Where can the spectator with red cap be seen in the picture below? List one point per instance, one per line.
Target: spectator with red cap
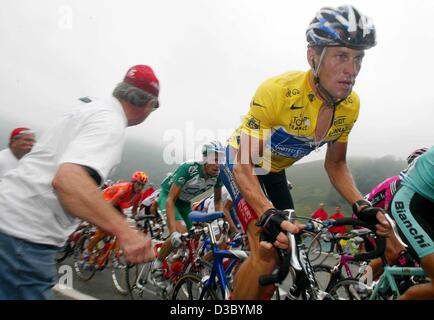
(20, 143)
(56, 185)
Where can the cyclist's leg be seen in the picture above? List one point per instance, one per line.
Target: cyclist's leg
(393, 248)
(414, 218)
(97, 237)
(180, 227)
(260, 262)
(167, 246)
(392, 252)
(153, 210)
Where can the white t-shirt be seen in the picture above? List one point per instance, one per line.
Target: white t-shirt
(8, 161)
(91, 134)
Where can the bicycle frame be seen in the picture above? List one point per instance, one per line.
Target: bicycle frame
(387, 280)
(102, 260)
(305, 277)
(218, 269)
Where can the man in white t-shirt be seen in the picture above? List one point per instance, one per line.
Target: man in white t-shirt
(21, 142)
(56, 185)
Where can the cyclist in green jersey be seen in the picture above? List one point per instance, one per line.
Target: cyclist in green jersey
(190, 179)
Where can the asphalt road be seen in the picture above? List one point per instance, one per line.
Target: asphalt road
(101, 285)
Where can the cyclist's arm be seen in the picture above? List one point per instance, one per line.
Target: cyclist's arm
(154, 208)
(248, 183)
(228, 204)
(137, 200)
(174, 193)
(339, 173)
(134, 210)
(218, 199)
(117, 199)
(81, 197)
(342, 179)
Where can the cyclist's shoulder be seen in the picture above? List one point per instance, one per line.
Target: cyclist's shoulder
(295, 81)
(119, 187)
(386, 183)
(421, 170)
(189, 168)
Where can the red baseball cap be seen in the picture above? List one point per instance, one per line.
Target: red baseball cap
(143, 77)
(19, 132)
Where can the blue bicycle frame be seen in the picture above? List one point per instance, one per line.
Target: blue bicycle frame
(218, 271)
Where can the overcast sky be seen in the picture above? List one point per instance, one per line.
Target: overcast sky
(210, 56)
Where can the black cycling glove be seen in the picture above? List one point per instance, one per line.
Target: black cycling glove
(270, 222)
(368, 213)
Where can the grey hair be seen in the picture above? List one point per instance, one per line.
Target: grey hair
(131, 94)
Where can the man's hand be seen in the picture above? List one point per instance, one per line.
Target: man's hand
(275, 225)
(375, 216)
(175, 239)
(136, 247)
(383, 227)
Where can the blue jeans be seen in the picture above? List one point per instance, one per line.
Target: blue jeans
(27, 270)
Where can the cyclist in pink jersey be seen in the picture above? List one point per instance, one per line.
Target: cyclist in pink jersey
(381, 196)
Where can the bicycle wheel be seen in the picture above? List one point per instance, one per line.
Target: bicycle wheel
(138, 280)
(323, 275)
(190, 287)
(350, 289)
(313, 245)
(84, 270)
(119, 274)
(63, 252)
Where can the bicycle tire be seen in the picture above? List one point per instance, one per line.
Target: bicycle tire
(314, 248)
(136, 291)
(119, 278)
(64, 252)
(80, 266)
(319, 270)
(350, 289)
(190, 287)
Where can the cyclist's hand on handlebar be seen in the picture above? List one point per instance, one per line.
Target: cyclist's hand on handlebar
(175, 239)
(275, 225)
(383, 227)
(373, 216)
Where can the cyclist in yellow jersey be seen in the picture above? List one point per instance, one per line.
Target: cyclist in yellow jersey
(291, 115)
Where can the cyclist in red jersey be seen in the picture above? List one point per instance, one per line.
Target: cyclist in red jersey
(121, 195)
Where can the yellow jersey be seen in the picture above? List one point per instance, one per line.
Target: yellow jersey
(283, 114)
